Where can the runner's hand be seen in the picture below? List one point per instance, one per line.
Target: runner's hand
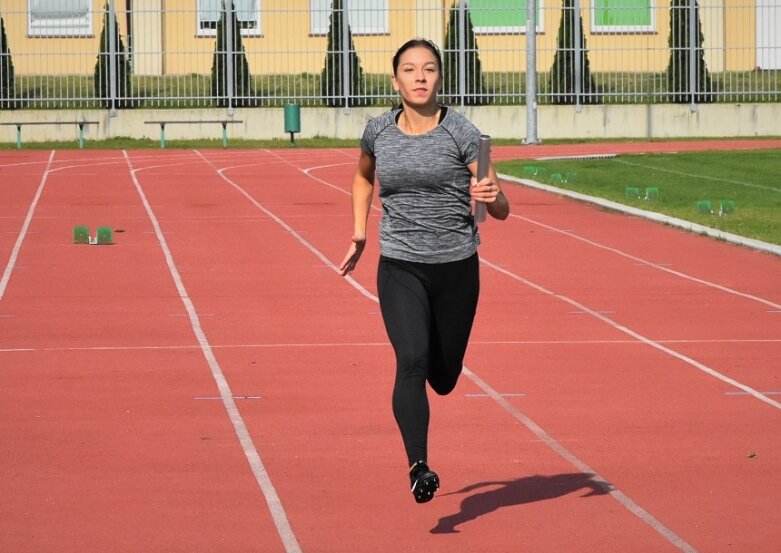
(353, 255)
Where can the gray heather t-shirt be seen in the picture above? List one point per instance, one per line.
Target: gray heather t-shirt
(424, 188)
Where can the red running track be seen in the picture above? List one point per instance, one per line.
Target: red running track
(209, 383)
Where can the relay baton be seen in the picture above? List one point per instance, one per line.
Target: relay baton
(483, 163)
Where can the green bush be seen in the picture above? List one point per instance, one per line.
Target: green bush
(331, 77)
(122, 75)
(562, 74)
(475, 92)
(679, 66)
(242, 80)
(6, 70)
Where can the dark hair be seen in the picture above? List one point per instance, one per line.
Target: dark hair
(416, 43)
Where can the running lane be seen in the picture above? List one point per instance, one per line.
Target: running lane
(254, 236)
(627, 339)
(111, 438)
(287, 330)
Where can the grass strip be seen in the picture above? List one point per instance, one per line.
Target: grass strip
(742, 189)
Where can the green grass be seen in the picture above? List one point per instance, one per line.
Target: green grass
(749, 179)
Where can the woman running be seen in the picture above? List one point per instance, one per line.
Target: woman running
(425, 158)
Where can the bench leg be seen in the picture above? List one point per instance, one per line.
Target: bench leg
(224, 135)
(81, 136)
(18, 137)
(162, 136)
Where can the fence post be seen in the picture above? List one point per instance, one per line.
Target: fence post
(693, 42)
(578, 56)
(531, 73)
(462, 52)
(346, 66)
(112, 58)
(230, 69)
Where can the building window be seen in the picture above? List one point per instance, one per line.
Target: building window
(622, 16)
(503, 16)
(247, 15)
(367, 17)
(59, 18)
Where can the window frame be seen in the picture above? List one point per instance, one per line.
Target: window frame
(80, 26)
(622, 29)
(316, 12)
(512, 29)
(202, 30)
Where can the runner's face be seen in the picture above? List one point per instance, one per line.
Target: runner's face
(417, 77)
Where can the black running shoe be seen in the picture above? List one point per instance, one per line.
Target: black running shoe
(424, 482)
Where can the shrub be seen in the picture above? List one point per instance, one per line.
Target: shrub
(331, 77)
(6, 70)
(679, 66)
(475, 92)
(242, 80)
(562, 74)
(122, 73)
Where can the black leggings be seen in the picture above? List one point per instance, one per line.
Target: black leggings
(428, 311)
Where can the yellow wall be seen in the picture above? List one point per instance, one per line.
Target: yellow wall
(34, 55)
(287, 47)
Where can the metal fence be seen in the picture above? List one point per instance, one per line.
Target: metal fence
(84, 53)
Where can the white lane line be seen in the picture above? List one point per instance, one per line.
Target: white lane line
(704, 177)
(26, 225)
(273, 216)
(153, 347)
(609, 321)
(213, 346)
(250, 451)
(641, 261)
(744, 393)
(688, 360)
(220, 398)
(503, 394)
(619, 496)
(556, 446)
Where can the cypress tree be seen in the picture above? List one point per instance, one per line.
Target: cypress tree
(475, 92)
(242, 80)
(562, 74)
(6, 70)
(122, 76)
(679, 66)
(331, 77)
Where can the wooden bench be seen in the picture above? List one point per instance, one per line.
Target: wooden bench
(19, 124)
(223, 122)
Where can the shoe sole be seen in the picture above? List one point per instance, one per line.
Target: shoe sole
(425, 486)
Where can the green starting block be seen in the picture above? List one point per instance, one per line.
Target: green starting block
(632, 192)
(726, 207)
(652, 193)
(103, 235)
(557, 177)
(80, 235)
(704, 207)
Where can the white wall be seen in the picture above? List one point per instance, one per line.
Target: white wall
(555, 122)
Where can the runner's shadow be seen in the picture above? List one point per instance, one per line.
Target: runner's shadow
(517, 492)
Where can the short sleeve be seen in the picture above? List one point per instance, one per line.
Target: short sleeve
(374, 128)
(368, 138)
(465, 135)
(471, 142)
